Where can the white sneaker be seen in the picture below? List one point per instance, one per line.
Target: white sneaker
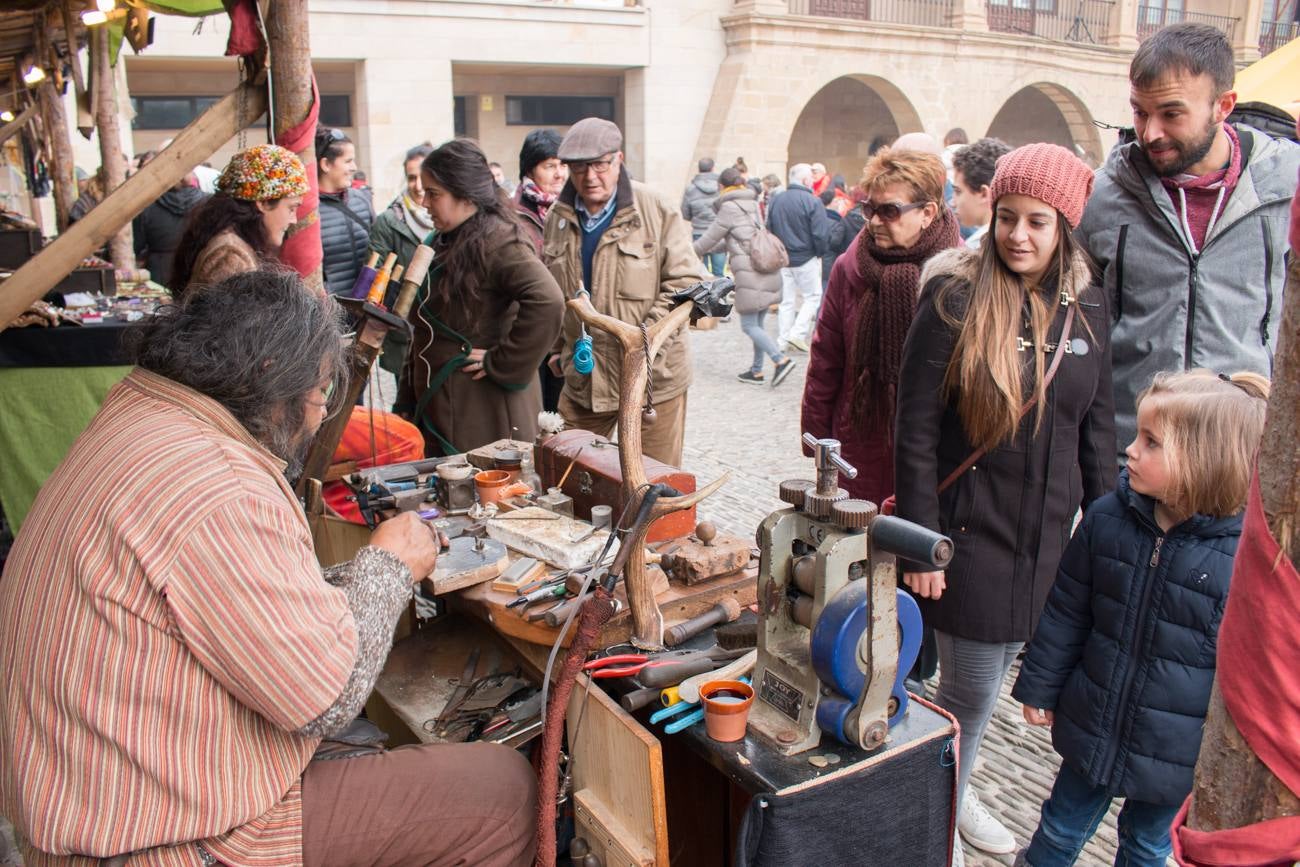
(980, 829)
(958, 854)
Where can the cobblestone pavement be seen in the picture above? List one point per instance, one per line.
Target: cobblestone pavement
(753, 433)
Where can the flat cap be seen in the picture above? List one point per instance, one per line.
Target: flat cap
(589, 139)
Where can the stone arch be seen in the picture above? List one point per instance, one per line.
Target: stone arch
(1048, 112)
(839, 122)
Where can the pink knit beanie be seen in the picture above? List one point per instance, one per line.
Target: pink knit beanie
(1046, 172)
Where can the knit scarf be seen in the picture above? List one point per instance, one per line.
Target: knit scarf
(537, 199)
(889, 287)
(416, 216)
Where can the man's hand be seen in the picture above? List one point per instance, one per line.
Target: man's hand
(927, 585)
(411, 540)
(553, 362)
(1037, 716)
(474, 365)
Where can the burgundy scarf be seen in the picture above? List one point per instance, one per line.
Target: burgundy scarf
(535, 198)
(890, 290)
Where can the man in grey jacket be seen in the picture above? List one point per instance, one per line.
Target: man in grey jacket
(697, 209)
(1187, 224)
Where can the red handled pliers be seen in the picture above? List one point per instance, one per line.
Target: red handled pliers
(629, 664)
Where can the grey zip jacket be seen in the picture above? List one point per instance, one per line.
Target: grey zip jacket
(1175, 309)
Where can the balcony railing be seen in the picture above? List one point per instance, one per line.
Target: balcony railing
(1084, 21)
(926, 13)
(1274, 34)
(1152, 18)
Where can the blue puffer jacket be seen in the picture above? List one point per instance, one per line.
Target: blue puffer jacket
(344, 239)
(1124, 651)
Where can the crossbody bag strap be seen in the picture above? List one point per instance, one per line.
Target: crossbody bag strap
(347, 212)
(1029, 404)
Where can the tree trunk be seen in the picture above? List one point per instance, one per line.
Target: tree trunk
(289, 39)
(63, 167)
(1232, 787)
(107, 120)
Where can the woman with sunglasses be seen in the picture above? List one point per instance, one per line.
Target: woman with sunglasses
(484, 319)
(242, 225)
(853, 363)
(346, 215)
(1005, 429)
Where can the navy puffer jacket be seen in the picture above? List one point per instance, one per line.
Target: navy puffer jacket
(1124, 651)
(344, 240)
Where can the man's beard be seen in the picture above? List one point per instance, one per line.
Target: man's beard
(290, 444)
(1188, 155)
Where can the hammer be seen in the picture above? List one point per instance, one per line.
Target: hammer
(724, 612)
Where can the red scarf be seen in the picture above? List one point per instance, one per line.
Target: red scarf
(890, 278)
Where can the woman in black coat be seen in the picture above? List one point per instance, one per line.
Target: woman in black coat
(346, 214)
(978, 351)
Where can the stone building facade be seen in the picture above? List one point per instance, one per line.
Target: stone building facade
(774, 81)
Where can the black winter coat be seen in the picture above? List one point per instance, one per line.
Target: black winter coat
(1125, 651)
(1010, 515)
(802, 223)
(344, 241)
(157, 230)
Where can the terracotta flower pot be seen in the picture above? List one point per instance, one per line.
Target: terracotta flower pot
(491, 485)
(726, 708)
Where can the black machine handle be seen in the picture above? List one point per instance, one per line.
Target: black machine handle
(911, 541)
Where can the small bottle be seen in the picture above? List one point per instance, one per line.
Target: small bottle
(528, 473)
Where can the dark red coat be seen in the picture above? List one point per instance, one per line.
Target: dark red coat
(827, 409)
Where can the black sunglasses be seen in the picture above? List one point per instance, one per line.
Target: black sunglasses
(890, 211)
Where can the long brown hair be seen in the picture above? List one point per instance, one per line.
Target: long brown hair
(461, 168)
(985, 374)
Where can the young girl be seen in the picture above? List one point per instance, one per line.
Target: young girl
(1123, 659)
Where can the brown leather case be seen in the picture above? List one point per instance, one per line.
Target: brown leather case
(598, 480)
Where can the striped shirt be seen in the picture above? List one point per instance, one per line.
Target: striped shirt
(166, 632)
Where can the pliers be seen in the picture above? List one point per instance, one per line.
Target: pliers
(629, 664)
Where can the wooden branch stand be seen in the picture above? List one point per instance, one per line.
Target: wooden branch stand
(647, 619)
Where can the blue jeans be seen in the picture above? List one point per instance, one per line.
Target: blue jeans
(1071, 816)
(715, 262)
(752, 325)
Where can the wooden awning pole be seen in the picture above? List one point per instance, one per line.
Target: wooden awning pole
(289, 47)
(107, 122)
(13, 127)
(194, 144)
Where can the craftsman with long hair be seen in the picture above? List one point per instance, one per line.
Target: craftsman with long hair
(975, 372)
(485, 320)
(243, 224)
(853, 365)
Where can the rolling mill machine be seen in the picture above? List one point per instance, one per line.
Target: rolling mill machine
(836, 635)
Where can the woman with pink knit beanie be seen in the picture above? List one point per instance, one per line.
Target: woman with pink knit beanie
(1004, 429)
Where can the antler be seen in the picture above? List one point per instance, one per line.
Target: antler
(647, 619)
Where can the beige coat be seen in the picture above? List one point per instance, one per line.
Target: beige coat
(641, 260)
(224, 256)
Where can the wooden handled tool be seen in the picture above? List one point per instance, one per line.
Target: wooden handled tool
(639, 698)
(689, 689)
(667, 675)
(416, 270)
(724, 612)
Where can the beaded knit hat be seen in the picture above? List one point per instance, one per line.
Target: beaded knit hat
(1046, 172)
(263, 173)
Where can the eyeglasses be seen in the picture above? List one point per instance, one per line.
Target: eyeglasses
(600, 167)
(888, 212)
(326, 393)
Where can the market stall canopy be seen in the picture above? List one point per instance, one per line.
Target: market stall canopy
(1274, 79)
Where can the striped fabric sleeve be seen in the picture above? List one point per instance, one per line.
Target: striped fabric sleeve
(249, 601)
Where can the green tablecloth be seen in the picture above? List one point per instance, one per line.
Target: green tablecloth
(42, 411)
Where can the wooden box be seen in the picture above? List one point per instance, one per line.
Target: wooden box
(17, 246)
(597, 479)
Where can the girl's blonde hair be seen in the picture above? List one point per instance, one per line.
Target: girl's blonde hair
(1210, 427)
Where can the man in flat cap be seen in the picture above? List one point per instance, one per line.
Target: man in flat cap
(630, 248)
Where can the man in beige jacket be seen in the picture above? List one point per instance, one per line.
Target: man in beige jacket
(630, 248)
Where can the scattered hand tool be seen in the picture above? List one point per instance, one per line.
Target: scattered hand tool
(546, 591)
(724, 612)
(689, 689)
(639, 698)
(628, 664)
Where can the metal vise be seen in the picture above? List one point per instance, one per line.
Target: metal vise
(830, 654)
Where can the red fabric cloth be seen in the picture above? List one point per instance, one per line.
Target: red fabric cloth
(1295, 210)
(1261, 690)
(396, 441)
(1203, 192)
(245, 39)
(302, 246)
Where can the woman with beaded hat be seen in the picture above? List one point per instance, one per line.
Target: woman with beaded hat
(1005, 428)
(242, 225)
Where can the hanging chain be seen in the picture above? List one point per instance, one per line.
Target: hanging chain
(648, 410)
